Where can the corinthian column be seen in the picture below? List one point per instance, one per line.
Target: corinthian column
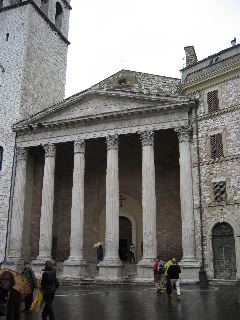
(46, 221)
(148, 203)
(75, 265)
(186, 194)
(111, 266)
(16, 227)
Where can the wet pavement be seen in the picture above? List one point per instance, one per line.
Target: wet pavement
(125, 302)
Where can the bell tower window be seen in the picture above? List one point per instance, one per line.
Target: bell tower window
(58, 16)
(44, 6)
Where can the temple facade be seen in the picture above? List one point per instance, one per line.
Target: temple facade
(136, 158)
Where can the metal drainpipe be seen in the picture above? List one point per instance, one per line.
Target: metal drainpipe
(202, 273)
(10, 197)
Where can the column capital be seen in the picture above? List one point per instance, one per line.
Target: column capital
(21, 154)
(50, 150)
(79, 146)
(147, 138)
(112, 142)
(184, 133)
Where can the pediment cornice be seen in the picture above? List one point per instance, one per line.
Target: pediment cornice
(157, 104)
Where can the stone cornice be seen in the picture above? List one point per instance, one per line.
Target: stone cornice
(210, 75)
(218, 160)
(219, 112)
(52, 25)
(170, 104)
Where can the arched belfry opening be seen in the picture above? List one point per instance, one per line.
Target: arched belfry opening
(224, 254)
(58, 15)
(44, 6)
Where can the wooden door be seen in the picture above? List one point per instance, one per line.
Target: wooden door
(224, 257)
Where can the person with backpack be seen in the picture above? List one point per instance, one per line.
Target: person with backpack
(158, 271)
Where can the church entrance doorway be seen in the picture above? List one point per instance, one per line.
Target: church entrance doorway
(224, 256)
(125, 237)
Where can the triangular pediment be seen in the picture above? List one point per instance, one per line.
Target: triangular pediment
(138, 82)
(123, 92)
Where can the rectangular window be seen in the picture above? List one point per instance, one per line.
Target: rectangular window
(219, 191)
(213, 101)
(216, 146)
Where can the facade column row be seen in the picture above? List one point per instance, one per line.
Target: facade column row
(111, 266)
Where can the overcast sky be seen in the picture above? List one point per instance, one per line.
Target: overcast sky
(144, 35)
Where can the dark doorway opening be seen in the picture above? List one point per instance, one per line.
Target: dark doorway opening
(125, 237)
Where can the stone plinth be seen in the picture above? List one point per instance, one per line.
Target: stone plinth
(189, 271)
(145, 270)
(75, 268)
(110, 270)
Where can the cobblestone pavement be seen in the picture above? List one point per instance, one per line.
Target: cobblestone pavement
(125, 302)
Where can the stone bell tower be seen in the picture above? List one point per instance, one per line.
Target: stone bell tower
(33, 55)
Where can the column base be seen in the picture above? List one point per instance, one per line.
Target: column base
(75, 268)
(190, 270)
(13, 264)
(145, 270)
(110, 270)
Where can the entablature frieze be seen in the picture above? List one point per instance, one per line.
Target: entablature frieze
(73, 134)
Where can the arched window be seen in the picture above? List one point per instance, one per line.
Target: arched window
(1, 157)
(44, 6)
(1, 4)
(58, 16)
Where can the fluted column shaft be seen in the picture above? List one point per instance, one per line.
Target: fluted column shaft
(46, 221)
(16, 231)
(112, 200)
(77, 212)
(148, 196)
(186, 194)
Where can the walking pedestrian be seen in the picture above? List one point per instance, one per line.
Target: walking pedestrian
(49, 285)
(173, 275)
(29, 274)
(10, 298)
(132, 252)
(158, 271)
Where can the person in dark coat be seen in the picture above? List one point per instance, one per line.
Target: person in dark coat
(49, 285)
(29, 274)
(173, 275)
(99, 254)
(10, 298)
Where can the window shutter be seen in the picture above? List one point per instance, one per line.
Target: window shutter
(213, 101)
(216, 146)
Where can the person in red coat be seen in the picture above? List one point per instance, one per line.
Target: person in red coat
(10, 298)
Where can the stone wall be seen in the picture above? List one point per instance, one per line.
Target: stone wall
(226, 168)
(32, 76)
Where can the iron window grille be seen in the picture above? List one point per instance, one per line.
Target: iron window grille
(213, 101)
(216, 146)
(219, 191)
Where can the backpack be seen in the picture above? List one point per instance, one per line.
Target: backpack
(161, 268)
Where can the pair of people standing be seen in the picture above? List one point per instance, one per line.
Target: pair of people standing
(49, 284)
